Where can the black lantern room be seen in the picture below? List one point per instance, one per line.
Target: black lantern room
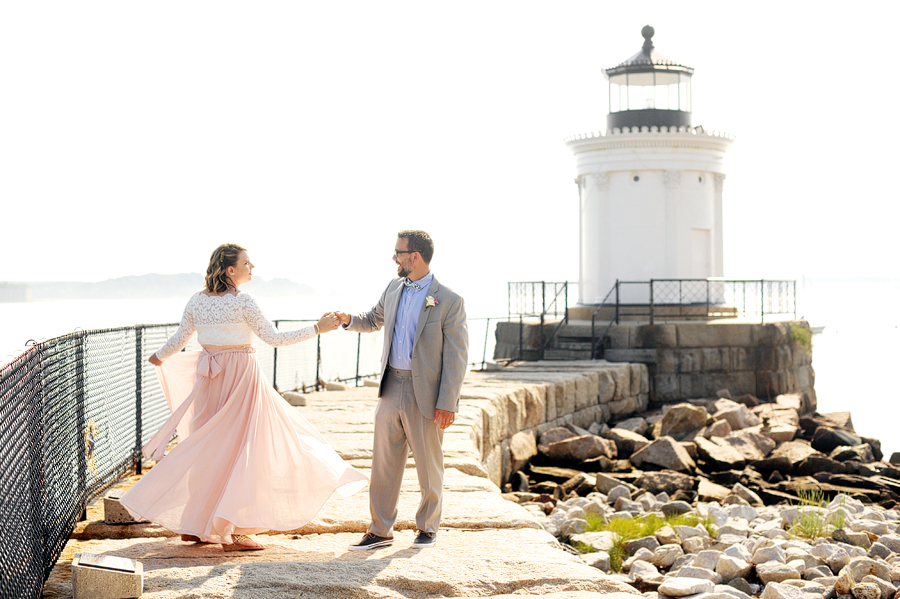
(649, 89)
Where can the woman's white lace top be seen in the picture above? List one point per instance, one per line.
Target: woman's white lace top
(228, 320)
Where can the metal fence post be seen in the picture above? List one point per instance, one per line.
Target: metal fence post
(358, 344)
(762, 301)
(487, 330)
(707, 298)
(80, 423)
(617, 301)
(795, 299)
(275, 363)
(651, 302)
(138, 390)
(318, 358)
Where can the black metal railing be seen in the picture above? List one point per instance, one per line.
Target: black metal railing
(76, 410)
(686, 299)
(539, 299)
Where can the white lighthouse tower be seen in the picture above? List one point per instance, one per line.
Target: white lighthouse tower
(650, 189)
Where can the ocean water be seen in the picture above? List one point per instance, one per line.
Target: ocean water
(854, 356)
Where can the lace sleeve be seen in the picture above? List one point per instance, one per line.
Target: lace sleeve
(266, 331)
(180, 339)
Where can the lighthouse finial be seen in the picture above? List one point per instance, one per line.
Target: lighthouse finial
(647, 32)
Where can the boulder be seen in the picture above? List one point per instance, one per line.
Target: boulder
(737, 415)
(552, 435)
(719, 457)
(710, 491)
(682, 419)
(776, 572)
(627, 442)
(679, 586)
(753, 446)
(522, 447)
(665, 481)
(584, 447)
(815, 463)
(636, 425)
(826, 439)
(776, 590)
(719, 428)
(665, 452)
(857, 453)
(787, 457)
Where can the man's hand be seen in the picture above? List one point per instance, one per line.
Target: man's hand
(443, 418)
(343, 317)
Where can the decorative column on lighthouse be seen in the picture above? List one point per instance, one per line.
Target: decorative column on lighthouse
(650, 189)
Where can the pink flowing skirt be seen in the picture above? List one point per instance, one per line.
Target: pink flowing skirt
(246, 460)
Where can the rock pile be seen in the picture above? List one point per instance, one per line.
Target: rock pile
(752, 551)
(702, 449)
(738, 467)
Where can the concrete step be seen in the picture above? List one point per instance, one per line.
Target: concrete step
(567, 354)
(570, 343)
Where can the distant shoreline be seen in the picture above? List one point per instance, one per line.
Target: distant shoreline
(150, 286)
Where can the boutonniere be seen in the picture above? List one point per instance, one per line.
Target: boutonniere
(430, 302)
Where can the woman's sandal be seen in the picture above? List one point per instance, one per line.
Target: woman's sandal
(242, 543)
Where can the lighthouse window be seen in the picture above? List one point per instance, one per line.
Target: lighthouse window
(700, 179)
(636, 178)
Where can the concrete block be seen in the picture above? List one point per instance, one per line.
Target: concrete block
(743, 359)
(107, 577)
(622, 375)
(655, 336)
(716, 359)
(772, 334)
(334, 386)
(567, 406)
(645, 380)
(515, 411)
(493, 464)
(805, 377)
(667, 361)
(535, 405)
(605, 413)
(620, 408)
(295, 398)
(115, 513)
(606, 386)
(690, 360)
(586, 417)
(634, 383)
(698, 334)
(665, 387)
(593, 387)
(371, 383)
(620, 336)
(582, 396)
(550, 402)
(643, 401)
(505, 461)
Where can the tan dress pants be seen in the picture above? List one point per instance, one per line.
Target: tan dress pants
(399, 427)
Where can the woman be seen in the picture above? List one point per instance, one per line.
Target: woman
(246, 461)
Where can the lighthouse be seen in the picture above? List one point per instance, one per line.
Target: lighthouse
(650, 188)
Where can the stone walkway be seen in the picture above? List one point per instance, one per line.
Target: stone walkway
(487, 547)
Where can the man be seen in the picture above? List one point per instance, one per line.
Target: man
(422, 368)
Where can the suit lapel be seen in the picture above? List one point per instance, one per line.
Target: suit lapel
(392, 303)
(433, 291)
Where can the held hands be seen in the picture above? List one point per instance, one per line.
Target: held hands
(344, 317)
(328, 322)
(443, 418)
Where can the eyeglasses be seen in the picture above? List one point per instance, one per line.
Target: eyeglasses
(396, 252)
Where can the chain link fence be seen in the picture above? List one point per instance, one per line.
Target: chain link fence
(76, 410)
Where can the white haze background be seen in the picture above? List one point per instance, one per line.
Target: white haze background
(135, 137)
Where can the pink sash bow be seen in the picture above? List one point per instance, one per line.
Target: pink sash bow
(207, 367)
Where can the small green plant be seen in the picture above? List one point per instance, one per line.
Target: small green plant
(628, 529)
(811, 522)
(802, 337)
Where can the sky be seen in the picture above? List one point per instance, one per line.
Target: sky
(136, 137)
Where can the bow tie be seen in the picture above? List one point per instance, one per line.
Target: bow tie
(412, 284)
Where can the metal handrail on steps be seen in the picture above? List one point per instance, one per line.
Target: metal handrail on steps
(595, 341)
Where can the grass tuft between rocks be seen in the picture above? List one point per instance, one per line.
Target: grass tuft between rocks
(812, 520)
(628, 529)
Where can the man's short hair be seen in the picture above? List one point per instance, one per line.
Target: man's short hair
(418, 241)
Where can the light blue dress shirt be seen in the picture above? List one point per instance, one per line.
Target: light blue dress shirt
(411, 302)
